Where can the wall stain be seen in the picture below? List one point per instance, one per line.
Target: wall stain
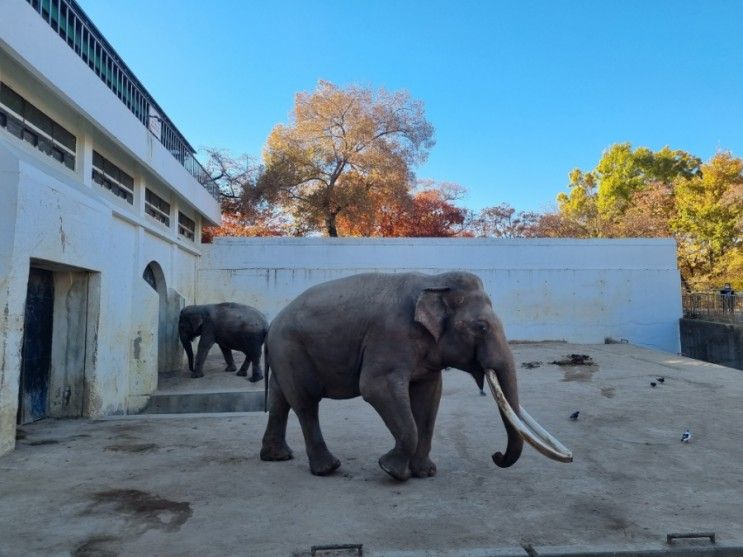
(138, 345)
(62, 235)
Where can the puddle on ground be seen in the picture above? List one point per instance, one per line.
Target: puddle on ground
(145, 510)
(584, 374)
(608, 392)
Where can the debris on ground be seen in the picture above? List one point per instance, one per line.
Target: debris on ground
(531, 365)
(611, 340)
(574, 415)
(574, 360)
(661, 379)
(686, 436)
(653, 383)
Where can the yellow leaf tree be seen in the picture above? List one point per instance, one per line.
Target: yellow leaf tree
(343, 148)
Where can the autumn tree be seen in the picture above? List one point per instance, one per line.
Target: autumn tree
(341, 147)
(502, 221)
(430, 210)
(236, 175)
(709, 217)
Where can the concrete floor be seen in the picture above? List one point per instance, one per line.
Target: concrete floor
(215, 379)
(193, 485)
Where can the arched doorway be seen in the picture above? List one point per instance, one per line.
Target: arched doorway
(154, 276)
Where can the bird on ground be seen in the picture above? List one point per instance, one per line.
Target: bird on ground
(653, 383)
(686, 436)
(574, 415)
(661, 379)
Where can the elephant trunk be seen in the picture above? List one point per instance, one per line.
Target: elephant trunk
(506, 374)
(186, 342)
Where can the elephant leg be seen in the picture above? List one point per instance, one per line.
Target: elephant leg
(424, 401)
(243, 371)
(255, 360)
(227, 353)
(205, 344)
(322, 461)
(388, 394)
(274, 439)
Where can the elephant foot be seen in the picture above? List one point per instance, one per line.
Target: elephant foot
(422, 468)
(230, 368)
(241, 373)
(395, 465)
(322, 466)
(195, 375)
(276, 452)
(255, 377)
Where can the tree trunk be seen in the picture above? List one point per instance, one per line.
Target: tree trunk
(330, 227)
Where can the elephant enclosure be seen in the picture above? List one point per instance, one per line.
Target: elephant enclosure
(193, 485)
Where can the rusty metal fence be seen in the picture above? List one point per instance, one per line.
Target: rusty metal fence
(713, 306)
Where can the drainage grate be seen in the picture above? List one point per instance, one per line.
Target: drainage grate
(338, 550)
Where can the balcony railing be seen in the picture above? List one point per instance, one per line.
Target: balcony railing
(69, 21)
(713, 306)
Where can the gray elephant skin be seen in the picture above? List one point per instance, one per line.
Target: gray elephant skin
(231, 326)
(387, 338)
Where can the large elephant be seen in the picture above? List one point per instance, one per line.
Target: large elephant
(231, 326)
(387, 337)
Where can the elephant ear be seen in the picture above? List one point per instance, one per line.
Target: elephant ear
(430, 310)
(196, 321)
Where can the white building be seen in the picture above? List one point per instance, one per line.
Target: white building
(101, 208)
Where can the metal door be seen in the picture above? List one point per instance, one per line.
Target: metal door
(37, 347)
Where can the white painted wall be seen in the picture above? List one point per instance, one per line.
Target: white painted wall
(575, 290)
(46, 214)
(28, 39)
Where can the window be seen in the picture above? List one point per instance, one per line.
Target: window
(109, 176)
(186, 227)
(28, 123)
(157, 207)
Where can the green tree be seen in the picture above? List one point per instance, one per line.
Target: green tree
(708, 218)
(342, 146)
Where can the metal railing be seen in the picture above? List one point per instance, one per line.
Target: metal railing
(69, 21)
(713, 306)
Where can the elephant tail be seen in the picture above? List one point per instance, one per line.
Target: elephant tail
(265, 380)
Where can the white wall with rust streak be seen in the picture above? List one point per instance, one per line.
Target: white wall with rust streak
(558, 289)
(47, 214)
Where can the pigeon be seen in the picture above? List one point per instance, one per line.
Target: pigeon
(661, 379)
(653, 383)
(574, 415)
(686, 436)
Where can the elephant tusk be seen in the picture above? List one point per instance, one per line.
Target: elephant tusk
(530, 430)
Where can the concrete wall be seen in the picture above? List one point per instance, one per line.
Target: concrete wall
(50, 219)
(719, 343)
(574, 290)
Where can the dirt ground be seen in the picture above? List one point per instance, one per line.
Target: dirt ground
(194, 485)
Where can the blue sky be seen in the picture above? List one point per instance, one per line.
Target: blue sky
(519, 92)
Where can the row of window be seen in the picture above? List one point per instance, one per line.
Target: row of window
(69, 21)
(28, 123)
(23, 120)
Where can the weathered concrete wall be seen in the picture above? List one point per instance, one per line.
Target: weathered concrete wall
(575, 290)
(719, 343)
(50, 218)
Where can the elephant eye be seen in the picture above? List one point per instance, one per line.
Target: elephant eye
(481, 327)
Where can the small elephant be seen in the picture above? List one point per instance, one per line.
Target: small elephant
(387, 337)
(232, 326)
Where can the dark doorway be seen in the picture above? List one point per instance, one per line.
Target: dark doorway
(36, 356)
